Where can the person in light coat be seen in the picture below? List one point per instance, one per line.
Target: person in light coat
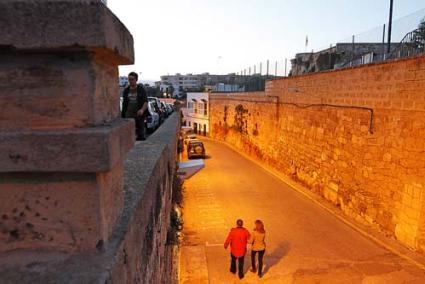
(258, 247)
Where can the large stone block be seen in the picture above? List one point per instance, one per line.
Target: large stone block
(61, 26)
(93, 149)
(70, 212)
(56, 91)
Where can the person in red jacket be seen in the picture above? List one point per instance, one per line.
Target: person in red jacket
(237, 238)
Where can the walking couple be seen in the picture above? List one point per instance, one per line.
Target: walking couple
(238, 239)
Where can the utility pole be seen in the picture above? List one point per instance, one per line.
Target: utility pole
(390, 23)
(383, 43)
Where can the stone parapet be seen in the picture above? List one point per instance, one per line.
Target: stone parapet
(51, 26)
(63, 144)
(90, 149)
(138, 250)
(73, 212)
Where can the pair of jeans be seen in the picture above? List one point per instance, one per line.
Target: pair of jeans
(240, 265)
(140, 127)
(260, 260)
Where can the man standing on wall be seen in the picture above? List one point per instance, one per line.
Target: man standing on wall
(237, 238)
(135, 103)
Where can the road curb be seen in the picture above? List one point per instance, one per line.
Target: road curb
(397, 249)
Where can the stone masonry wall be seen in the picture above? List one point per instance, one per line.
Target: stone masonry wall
(355, 136)
(138, 250)
(79, 201)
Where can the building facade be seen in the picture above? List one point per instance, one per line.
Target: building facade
(182, 84)
(197, 112)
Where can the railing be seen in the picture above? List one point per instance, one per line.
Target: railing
(412, 44)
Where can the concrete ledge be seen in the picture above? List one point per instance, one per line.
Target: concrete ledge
(138, 251)
(49, 25)
(94, 149)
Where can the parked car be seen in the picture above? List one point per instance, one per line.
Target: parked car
(195, 149)
(158, 108)
(152, 119)
(169, 108)
(164, 109)
(189, 137)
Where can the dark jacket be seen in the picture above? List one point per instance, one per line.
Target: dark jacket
(141, 99)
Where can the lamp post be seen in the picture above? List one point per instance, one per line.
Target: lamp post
(390, 23)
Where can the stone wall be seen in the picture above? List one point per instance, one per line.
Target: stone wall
(144, 254)
(354, 136)
(138, 250)
(79, 203)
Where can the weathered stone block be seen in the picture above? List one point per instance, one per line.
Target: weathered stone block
(49, 97)
(67, 212)
(61, 26)
(94, 149)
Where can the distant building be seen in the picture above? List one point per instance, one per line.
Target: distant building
(195, 83)
(339, 56)
(197, 112)
(226, 88)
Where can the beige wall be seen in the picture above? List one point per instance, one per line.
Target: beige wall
(355, 136)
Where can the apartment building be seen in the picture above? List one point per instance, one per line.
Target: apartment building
(180, 83)
(197, 82)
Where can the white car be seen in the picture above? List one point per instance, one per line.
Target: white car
(152, 119)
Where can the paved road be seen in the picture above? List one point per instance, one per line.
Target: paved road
(305, 243)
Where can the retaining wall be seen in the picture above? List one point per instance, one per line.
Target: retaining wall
(355, 136)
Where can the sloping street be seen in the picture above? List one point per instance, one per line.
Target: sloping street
(305, 243)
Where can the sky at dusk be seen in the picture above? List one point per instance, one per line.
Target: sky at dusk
(224, 36)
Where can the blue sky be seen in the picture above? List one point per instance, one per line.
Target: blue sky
(223, 36)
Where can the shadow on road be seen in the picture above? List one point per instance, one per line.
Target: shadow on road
(276, 255)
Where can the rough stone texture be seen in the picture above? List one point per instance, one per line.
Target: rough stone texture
(91, 149)
(354, 136)
(63, 144)
(137, 251)
(39, 91)
(145, 256)
(64, 25)
(66, 212)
